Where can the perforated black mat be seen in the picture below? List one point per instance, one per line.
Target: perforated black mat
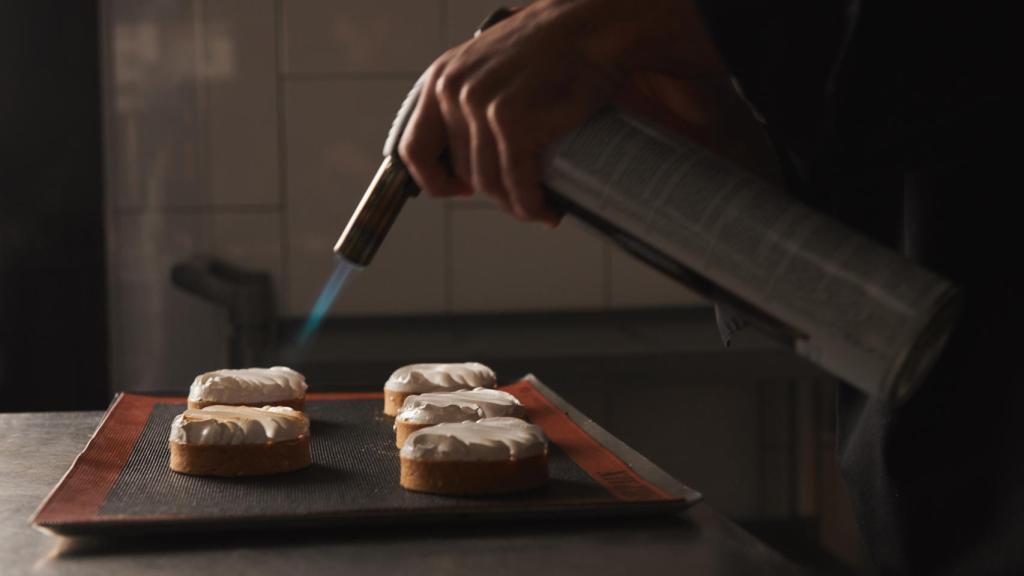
(355, 468)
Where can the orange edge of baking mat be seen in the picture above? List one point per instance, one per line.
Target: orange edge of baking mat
(603, 466)
(84, 488)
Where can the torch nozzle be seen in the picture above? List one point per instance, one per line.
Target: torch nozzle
(377, 211)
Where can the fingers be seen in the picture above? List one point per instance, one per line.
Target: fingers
(462, 115)
(519, 165)
(486, 168)
(425, 141)
(446, 93)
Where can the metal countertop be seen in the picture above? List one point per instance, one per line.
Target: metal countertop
(36, 449)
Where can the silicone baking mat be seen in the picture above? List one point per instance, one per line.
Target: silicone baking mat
(121, 480)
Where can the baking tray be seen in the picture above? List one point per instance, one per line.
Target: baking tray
(121, 481)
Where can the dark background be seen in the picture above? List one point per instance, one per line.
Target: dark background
(53, 331)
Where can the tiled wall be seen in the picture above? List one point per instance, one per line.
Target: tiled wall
(248, 129)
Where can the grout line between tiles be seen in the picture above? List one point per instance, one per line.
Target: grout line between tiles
(198, 209)
(312, 77)
(284, 288)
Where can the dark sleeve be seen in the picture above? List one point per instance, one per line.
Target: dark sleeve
(800, 64)
(781, 53)
(899, 128)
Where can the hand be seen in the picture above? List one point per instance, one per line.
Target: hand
(495, 102)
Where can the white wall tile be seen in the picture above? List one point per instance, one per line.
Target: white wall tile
(635, 284)
(238, 69)
(248, 240)
(154, 137)
(192, 103)
(501, 264)
(326, 36)
(162, 336)
(463, 16)
(335, 131)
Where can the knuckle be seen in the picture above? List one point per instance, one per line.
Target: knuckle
(448, 85)
(409, 149)
(472, 96)
(406, 151)
(499, 114)
(436, 69)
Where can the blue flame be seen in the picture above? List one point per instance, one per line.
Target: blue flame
(323, 302)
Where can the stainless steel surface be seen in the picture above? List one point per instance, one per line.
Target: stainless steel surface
(36, 449)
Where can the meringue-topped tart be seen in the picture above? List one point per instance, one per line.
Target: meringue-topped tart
(239, 441)
(424, 378)
(275, 386)
(422, 410)
(489, 456)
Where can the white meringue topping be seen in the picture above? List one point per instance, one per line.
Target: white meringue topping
(248, 386)
(458, 406)
(229, 425)
(489, 439)
(417, 378)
